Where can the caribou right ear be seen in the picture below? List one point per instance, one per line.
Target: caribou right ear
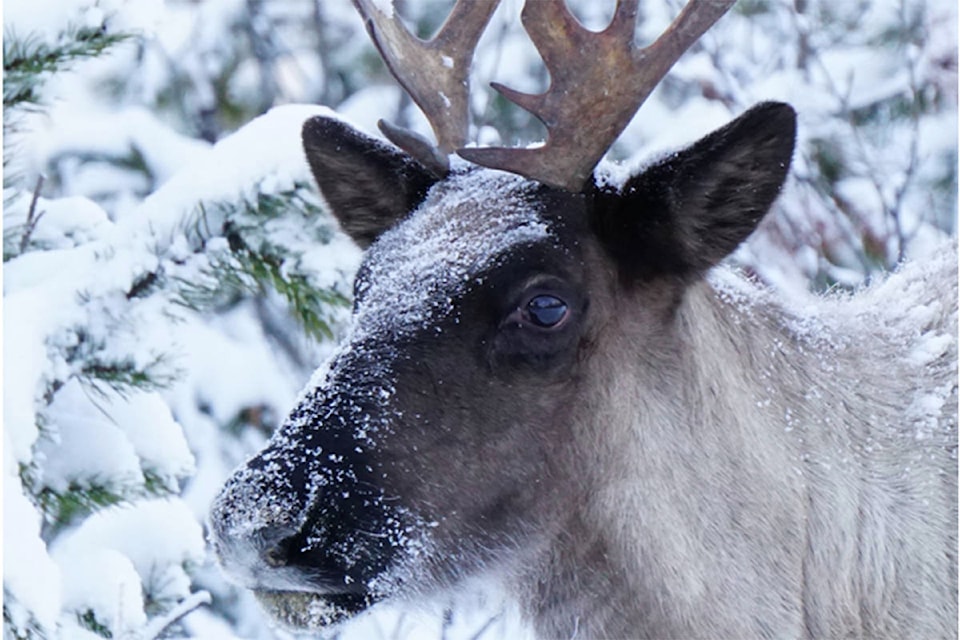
(686, 213)
(368, 184)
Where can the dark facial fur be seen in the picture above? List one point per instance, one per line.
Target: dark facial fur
(477, 309)
(541, 384)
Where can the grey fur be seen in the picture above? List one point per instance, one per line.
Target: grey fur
(758, 474)
(682, 457)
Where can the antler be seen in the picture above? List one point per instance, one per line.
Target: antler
(434, 73)
(598, 81)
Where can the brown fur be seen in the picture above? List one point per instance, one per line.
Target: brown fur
(681, 456)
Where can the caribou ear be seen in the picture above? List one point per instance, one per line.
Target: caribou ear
(686, 213)
(368, 184)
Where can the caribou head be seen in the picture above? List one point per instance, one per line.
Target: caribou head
(522, 389)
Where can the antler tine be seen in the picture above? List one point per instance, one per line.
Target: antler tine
(597, 83)
(434, 73)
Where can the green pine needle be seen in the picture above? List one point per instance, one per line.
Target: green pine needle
(26, 61)
(257, 262)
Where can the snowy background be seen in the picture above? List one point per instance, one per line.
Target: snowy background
(171, 278)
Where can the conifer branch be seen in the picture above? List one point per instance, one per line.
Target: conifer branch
(26, 61)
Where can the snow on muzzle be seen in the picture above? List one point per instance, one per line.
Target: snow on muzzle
(306, 524)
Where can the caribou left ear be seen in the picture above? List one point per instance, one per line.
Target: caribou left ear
(686, 213)
(368, 184)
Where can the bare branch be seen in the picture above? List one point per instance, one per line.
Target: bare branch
(157, 625)
(32, 216)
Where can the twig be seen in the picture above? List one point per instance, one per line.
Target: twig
(486, 625)
(910, 171)
(156, 626)
(32, 216)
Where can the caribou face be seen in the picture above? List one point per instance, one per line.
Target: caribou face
(428, 435)
(439, 441)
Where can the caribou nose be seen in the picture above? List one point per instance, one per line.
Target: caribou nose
(273, 545)
(275, 556)
(281, 547)
(300, 519)
(265, 537)
(252, 528)
(258, 556)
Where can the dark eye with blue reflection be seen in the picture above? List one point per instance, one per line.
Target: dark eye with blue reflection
(545, 311)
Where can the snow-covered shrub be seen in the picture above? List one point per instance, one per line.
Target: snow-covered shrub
(171, 277)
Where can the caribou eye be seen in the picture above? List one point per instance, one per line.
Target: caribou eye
(545, 311)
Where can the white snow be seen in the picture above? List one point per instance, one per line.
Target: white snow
(120, 553)
(266, 147)
(95, 446)
(37, 303)
(28, 571)
(417, 269)
(383, 6)
(67, 128)
(48, 19)
(63, 223)
(113, 437)
(105, 582)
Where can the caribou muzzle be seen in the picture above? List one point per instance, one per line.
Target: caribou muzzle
(305, 524)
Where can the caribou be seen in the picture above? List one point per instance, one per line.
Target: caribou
(550, 379)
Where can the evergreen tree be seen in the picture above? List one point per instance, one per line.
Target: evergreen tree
(100, 299)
